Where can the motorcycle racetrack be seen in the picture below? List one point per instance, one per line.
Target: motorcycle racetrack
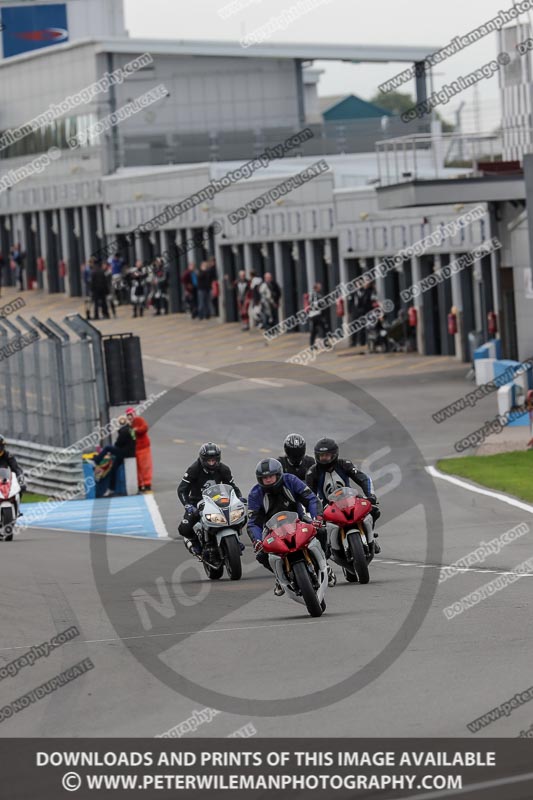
(384, 659)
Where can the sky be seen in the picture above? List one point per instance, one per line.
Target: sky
(407, 22)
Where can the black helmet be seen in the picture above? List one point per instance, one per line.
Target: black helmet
(326, 452)
(266, 468)
(209, 451)
(294, 446)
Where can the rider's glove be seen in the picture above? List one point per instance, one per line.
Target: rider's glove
(258, 546)
(373, 499)
(307, 518)
(190, 509)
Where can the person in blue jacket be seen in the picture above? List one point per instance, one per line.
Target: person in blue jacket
(277, 491)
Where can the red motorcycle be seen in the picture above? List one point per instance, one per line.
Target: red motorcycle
(297, 559)
(350, 533)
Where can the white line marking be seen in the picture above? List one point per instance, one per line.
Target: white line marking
(260, 381)
(180, 633)
(157, 519)
(515, 503)
(96, 533)
(459, 569)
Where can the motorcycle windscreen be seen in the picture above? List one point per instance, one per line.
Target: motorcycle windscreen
(284, 523)
(343, 498)
(220, 494)
(5, 475)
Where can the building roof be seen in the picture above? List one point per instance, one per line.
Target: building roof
(350, 107)
(357, 53)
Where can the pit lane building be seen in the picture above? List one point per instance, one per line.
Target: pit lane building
(387, 186)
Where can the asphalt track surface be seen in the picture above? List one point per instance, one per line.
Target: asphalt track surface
(242, 642)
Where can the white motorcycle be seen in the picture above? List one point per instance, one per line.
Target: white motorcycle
(9, 503)
(222, 517)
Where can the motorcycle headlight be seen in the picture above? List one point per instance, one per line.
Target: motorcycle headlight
(215, 518)
(236, 514)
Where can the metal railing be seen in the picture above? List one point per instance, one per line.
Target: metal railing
(427, 156)
(57, 477)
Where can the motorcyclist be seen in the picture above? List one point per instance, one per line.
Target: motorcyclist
(295, 461)
(8, 460)
(331, 472)
(277, 491)
(207, 470)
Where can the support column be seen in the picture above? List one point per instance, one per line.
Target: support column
(494, 268)
(86, 225)
(279, 275)
(310, 265)
(421, 82)
(476, 275)
(457, 302)
(65, 249)
(220, 253)
(43, 241)
(416, 272)
(138, 247)
(380, 281)
(248, 258)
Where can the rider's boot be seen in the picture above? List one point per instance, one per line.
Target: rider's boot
(278, 589)
(332, 578)
(193, 548)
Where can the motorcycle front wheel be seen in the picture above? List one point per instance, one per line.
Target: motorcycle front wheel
(231, 550)
(358, 555)
(214, 573)
(7, 522)
(303, 581)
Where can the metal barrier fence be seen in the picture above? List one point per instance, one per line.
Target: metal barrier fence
(50, 392)
(57, 478)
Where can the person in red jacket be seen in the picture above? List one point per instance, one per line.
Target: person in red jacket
(143, 450)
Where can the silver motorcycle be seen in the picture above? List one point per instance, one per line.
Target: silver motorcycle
(222, 517)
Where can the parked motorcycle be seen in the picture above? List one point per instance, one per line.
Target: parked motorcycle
(297, 559)
(222, 516)
(377, 338)
(9, 503)
(350, 533)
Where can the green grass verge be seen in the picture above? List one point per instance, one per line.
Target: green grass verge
(29, 497)
(505, 472)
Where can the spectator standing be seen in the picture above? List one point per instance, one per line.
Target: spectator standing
(160, 287)
(137, 280)
(270, 293)
(318, 317)
(204, 291)
(362, 302)
(143, 450)
(255, 284)
(18, 258)
(190, 290)
(86, 277)
(244, 296)
(117, 265)
(99, 290)
(110, 295)
(215, 285)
